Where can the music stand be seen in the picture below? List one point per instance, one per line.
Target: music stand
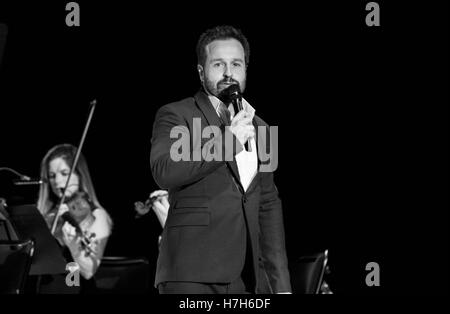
(29, 223)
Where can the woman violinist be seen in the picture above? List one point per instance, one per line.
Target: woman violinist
(85, 243)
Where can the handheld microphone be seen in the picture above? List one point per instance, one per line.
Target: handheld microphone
(232, 94)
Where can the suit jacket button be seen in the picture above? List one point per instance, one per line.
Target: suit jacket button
(244, 199)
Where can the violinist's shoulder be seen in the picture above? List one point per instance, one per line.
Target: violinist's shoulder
(102, 224)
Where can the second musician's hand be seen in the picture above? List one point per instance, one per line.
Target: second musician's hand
(158, 201)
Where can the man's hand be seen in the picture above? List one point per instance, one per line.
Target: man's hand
(242, 127)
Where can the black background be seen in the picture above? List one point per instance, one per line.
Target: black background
(362, 116)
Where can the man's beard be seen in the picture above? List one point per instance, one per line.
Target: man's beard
(215, 88)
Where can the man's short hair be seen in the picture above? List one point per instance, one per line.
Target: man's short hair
(221, 32)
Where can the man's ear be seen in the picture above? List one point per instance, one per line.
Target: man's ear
(200, 72)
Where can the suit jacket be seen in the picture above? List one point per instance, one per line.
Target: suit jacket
(205, 236)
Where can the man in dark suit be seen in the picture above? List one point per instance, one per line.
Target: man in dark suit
(226, 217)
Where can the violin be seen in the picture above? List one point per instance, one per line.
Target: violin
(80, 205)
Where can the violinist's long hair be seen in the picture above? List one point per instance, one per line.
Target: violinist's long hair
(47, 199)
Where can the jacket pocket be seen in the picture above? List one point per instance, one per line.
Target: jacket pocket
(186, 218)
(192, 203)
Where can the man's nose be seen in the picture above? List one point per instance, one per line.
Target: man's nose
(227, 72)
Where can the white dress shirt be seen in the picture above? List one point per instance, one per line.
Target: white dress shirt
(247, 161)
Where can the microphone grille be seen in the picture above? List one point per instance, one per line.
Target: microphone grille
(230, 93)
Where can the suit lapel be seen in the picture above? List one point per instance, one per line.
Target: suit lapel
(205, 106)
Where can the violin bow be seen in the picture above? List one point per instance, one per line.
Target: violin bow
(77, 155)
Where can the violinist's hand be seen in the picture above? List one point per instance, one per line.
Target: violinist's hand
(70, 238)
(161, 205)
(62, 209)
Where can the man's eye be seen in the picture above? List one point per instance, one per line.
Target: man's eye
(236, 64)
(216, 65)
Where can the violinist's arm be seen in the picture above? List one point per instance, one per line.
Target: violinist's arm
(89, 263)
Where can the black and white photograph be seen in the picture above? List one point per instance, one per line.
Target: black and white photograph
(224, 148)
